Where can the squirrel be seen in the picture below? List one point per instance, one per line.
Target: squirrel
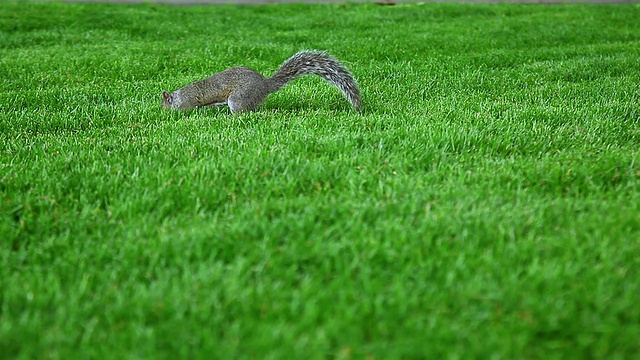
(244, 89)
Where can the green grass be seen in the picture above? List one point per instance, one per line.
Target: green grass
(485, 204)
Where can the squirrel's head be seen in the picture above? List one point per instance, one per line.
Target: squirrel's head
(167, 99)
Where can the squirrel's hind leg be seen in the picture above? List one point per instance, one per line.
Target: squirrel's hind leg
(241, 100)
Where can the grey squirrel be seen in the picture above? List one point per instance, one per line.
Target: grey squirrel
(244, 89)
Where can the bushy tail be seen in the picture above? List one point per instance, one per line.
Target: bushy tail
(321, 64)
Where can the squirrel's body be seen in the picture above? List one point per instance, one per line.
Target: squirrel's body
(244, 89)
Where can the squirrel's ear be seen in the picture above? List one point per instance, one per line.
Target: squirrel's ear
(166, 97)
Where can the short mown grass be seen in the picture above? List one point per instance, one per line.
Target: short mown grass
(484, 205)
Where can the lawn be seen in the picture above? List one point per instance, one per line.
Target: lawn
(485, 204)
